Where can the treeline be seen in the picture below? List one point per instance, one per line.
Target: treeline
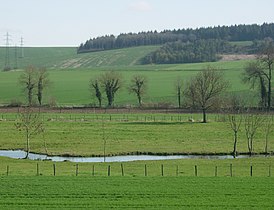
(228, 33)
(190, 52)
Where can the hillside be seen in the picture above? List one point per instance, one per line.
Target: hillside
(67, 58)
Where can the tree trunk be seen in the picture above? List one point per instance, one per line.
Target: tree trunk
(269, 86)
(204, 115)
(266, 146)
(139, 100)
(235, 145)
(179, 99)
(28, 147)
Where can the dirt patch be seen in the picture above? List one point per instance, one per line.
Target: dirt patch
(237, 57)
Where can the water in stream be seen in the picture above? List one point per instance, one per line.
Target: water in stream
(32, 156)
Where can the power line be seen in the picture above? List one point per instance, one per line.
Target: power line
(7, 60)
(22, 48)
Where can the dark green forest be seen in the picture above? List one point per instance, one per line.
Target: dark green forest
(226, 33)
(186, 45)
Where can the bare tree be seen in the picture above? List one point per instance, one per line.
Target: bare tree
(111, 82)
(268, 129)
(235, 121)
(205, 88)
(42, 83)
(266, 60)
(261, 71)
(31, 124)
(255, 75)
(28, 81)
(95, 90)
(252, 123)
(179, 90)
(138, 86)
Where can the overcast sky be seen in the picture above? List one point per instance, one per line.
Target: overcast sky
(70, 22)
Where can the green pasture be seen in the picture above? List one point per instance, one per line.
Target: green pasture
(130, 193)
(71, 87)
(84, 134)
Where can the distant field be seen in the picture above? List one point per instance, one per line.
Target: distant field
(67, 58)
(70, 87)
(132, 193)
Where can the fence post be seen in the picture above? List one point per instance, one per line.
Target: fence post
(196, 170)
(216, 171)
(231, 169)
(251, 170)
(8, 168)
(122, 169)
(93, 170)
(145, 170)
(37, 169)
(76, 172)
(108, 170)
(177, 170)
(162, 169)
(54, 170)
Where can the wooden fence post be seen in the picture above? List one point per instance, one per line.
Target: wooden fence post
(108, 170)
(37, 169)
(162, 169)
(251, 170)
(196, 170)
(76, 172)
(231, 169)
(122, 169)
(8, 168)
(145, 170)
(54, 170)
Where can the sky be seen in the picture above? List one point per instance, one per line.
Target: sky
(71, 22)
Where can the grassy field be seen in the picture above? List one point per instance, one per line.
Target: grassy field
(131, 193)
(71, 87)
(67, 57)
(82, 134)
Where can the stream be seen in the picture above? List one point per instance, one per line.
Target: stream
(19, 154)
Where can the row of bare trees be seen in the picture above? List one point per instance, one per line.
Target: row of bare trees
(252, 122)
(111, 82)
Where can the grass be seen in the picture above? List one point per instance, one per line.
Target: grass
(131, 193)
(171, 168)
(82, 134)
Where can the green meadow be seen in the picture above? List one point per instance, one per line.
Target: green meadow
(132, 193)
(84, 134)
(71, 87)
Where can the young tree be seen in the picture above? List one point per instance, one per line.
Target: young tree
(252, 123)
(94, 87)
(205, 88)
(42, 83)
(235, 121)
(179, 90)
(111, 82)
(31, 124)
(138, 86)
(28, 81)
